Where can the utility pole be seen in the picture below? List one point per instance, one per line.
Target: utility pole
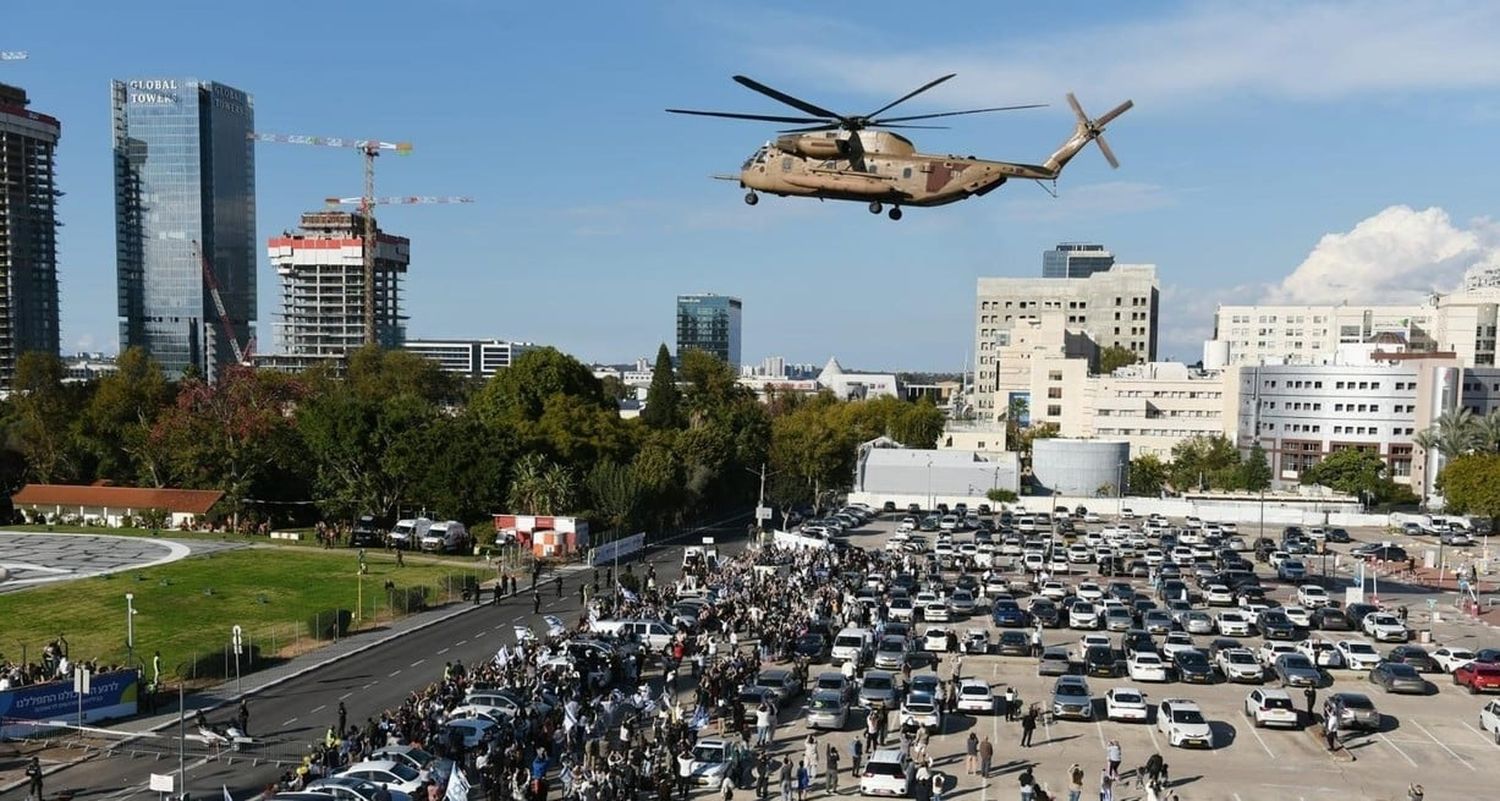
(761, 501)
(181, 741)
(130, 628)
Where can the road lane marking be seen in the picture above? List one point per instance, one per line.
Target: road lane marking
(516, 619)
(320, 708)
(418, 662)
(1444, 746)
(369, 685)
(345, 695)
(393, 674)
(480, 634)
(288, 722)
(462, 642)
(1398, 750)
(444, 651)
(1261, 740)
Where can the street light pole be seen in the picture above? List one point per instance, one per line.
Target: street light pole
(931, 502)
(130, 628)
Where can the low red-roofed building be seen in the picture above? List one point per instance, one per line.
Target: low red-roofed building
(111, 505)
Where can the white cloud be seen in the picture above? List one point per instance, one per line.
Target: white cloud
(1103, 199)
(1396, 256)
(1295, 50)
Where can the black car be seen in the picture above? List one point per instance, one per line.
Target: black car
(888, 507)
(369, 532)
(1329, 619)
(1137, 641)
(1014, 643)
(1275, 625)
(1045, 612)
(1415, 656)
(914, 508)
(1338, 535)
(812, 646)
(1356, 613)
(1100, 660)
(1193, 666)
(1386, 553)
(1249, 595)
(1221, 644)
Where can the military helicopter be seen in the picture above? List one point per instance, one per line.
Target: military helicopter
(840, 157)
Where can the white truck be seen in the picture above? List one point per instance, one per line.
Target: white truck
(449, 536)
(408, 534)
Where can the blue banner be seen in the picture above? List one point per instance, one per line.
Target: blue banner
(111, 695)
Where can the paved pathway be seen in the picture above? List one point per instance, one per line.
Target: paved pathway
(31, 558)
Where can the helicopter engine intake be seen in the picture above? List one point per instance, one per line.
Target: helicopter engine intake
(814, 146)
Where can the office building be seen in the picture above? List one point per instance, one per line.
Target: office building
(184, 184)
(1114, 308)
(712, 323)
(473, 358)
(1076, 260)
(322, 273)
(28, 231)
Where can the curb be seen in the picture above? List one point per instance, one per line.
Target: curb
(462, 609)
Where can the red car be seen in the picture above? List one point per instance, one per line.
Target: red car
(1478, 677)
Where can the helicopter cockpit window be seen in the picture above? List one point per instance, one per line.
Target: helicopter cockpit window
(758, 157)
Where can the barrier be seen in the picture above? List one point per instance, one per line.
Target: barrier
(617, 549)
(790, 540)
(286, 535)
(112, 695)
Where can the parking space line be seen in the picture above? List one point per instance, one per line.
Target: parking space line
(1481, 734)
(1151, 730)
(1398, 750)
(1262, 742)
(1443, 745)
(1099, 727)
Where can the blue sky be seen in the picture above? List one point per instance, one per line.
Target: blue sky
(1264, 141)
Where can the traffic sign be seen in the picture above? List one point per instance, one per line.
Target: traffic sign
(238, 646)
(762, 513)
(82, 681)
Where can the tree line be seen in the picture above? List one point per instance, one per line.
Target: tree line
(392, 434)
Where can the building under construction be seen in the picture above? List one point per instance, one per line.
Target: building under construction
(323, 290)
(28, 231)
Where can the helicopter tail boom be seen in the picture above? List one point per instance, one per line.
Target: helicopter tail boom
(1085, 131)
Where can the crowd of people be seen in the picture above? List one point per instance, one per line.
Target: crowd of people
(54, 665)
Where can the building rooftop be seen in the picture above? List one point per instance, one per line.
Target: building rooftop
(196, 502)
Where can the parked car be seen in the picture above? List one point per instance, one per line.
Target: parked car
(1358, 654)
(1271, 707)
(1385, 627)
(1396, 677)
(878, 689)
(1192, 666)
(1233, 624)
(1296, 670)
(1321, 652)
(1126, 704)
(448, 536)
(1054, 662)
(1240, 665)
(975, 695)
(884, 773)
(1100, 660)
(385, 773)
(1489, 720)
(713, 758)
(1354, 710)
(1312, 596)
(1275, 625)
(1414, 655)
(1326, 618)
(1071, 698)
(1182, 721)
(1478, 677)
(1450, 658)
(922, 709)
(1146, 666)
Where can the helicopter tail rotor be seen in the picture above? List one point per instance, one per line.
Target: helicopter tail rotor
(1093, 129)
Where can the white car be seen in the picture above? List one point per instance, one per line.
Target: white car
(1270, 650)
(1060, 564)
(1125, 704)
(1089, 591)
(1321, 652)
(1056, 590)
(1183, 723)
(937, 612)
(1358, 654)
(884, 773)
(1312, 596)
(1218, 595)
(901, 609)
(712, 758)
(1146, 666)
(1450, 658)
(1385, 627)
(1176, 641)
(1299, 616)
(1489, 720)
(935, 638)
(1091, 517)
(1083, 615)
(975, 695)
(1233, 624)
(1271, 707)
(387, 773)
(922, 709)
(1241, 665)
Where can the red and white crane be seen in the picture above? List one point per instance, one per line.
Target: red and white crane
(241, 355)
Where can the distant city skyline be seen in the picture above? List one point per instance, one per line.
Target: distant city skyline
(1217, 185)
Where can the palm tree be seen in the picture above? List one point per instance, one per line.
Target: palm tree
(1455, 432)
(1487, 429)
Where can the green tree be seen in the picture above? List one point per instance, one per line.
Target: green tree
(460, 467)
(1001, 496)
(521, 391)
(43, 411)
(663, 401)
(116, 425)
(918, 425)
(539, 486)
(1454, 432)
(1115, 357)
(1350, 471)
(616, 495)
(1471, 485)
(813, 444)
(1017, 417)
(1204, 461)
(1148, 475)
(1255, 470)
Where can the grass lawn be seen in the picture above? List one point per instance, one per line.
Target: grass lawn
(186, 609)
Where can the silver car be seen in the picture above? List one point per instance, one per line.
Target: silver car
(878, 688)
(1355, 711)
(827, 710)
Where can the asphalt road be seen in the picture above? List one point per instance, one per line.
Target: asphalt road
(287, 718)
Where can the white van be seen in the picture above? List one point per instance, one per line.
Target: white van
(653, 633)
(850, 645)
(409, 533)
(449, 536)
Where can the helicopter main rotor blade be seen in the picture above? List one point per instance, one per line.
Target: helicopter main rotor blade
(924, 127)
(956, 113)
(1109, 155)
(736, 116)
(796, 103)
(909, 95)
(832, 126)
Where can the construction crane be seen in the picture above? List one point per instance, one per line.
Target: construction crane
(371, 149)
(14, 55)
(397, 200)
(241, 355)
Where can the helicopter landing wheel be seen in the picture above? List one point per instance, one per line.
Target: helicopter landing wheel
(895, 213)
(875, 207)
(751, 198)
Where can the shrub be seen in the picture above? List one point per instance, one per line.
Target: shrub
(483, 532)
(211, 664)
(329, 623)
(153, 518)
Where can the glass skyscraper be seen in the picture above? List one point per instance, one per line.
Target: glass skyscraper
(709, 322)
(1076, 260)
(184, 174)
(28, 231)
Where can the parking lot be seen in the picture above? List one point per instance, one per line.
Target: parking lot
(1435, 740)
